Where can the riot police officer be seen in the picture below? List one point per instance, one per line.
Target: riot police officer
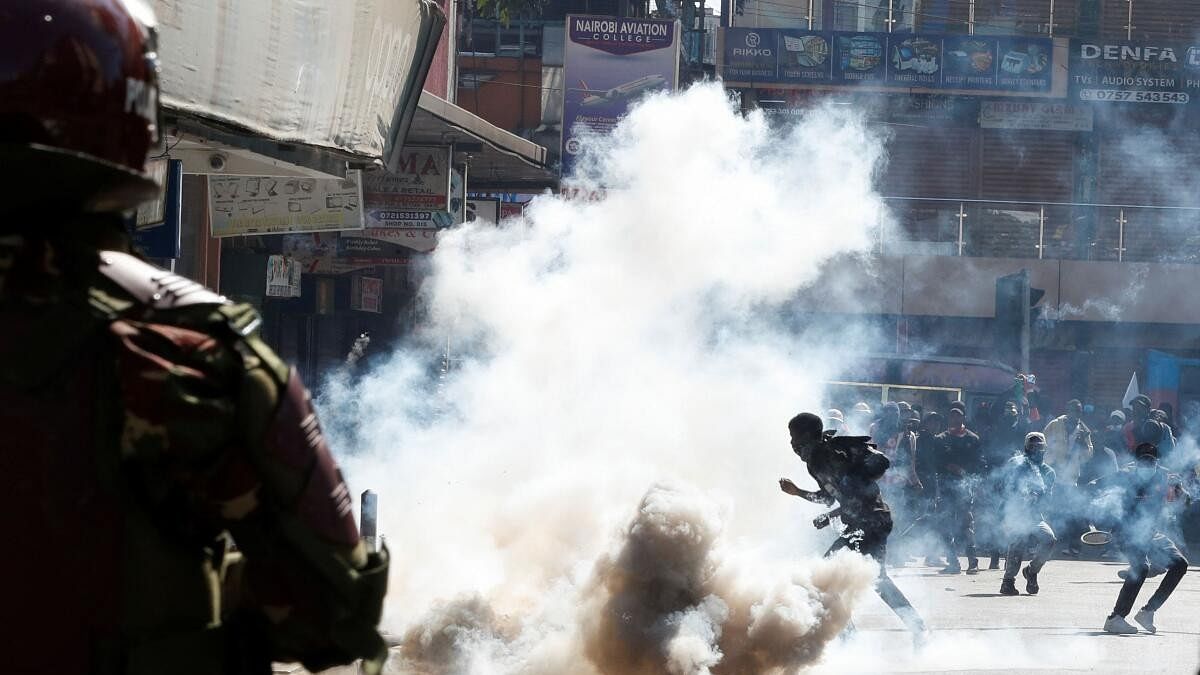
(151, 440)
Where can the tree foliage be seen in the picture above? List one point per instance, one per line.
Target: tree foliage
(506, 10)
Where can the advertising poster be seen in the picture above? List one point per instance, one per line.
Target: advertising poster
(887, 60)
(1024, 65)
(805, 56)
(244, 205)
(283, 277)
(860, 58)
(969, 63)
(1160, 73)
(609, 63)
(368, 295)
(915, 61)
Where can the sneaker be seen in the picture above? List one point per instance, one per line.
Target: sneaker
(973, 567)
(1145, 619)
(950, 569)
(1118, 625)
(1009, 587)
(934, 562)
(1031, 584)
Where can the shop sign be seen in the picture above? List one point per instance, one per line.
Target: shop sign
(897, 61)
(244, 205)
(1035, 114)
(1159, 73)
(609, 63)
(412, 203)
(283, 277)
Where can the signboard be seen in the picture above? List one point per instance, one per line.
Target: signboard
(1161, 73)
(156, 227)
(1035, 114)
(338, 253)
(487, 210)
(406, 207)
(898, 61)
(283, 277)
(268, 205)
(608, 64)
(367, 294)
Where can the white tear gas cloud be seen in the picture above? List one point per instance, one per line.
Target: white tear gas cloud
(602, 349)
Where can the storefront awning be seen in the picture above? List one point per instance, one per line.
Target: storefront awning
(500, 161)
(292, 87)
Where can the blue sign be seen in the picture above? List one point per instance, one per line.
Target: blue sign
(887, 60)
(160, 239)
(609, 64)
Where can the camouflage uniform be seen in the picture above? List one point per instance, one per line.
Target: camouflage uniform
(149, 430)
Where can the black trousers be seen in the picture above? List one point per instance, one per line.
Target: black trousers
(1160, 551)
(870, 538)
(958, 523)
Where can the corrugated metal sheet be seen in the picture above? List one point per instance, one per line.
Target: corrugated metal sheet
(1027, 165)
(929, 162)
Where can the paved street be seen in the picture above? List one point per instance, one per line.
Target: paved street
(979, 631)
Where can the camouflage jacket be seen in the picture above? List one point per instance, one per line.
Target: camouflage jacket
(174, 503)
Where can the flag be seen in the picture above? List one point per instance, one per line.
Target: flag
(1131, 392)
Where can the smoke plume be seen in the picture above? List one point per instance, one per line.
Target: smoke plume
(591, 486)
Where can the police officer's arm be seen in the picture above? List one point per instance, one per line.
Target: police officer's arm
(307, 571)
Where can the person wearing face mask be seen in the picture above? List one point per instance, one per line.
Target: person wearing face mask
(1029, 484)
(1113, 436)
(847, 470)
(1004, 442)
(960, 470)
(1138, 504)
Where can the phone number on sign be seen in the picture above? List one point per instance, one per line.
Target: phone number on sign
(1133, 96)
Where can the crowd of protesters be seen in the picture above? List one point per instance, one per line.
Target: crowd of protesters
(1005, 481)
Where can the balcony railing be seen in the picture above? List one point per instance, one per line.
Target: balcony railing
(1051, 230)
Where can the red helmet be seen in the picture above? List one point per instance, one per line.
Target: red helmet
(78, 104)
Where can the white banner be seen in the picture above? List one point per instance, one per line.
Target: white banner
(243, 205)
(342, 74)
(1031, 114)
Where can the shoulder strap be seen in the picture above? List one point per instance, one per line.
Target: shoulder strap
(153, 287)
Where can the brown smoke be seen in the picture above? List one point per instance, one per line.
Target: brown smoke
(667, 601)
